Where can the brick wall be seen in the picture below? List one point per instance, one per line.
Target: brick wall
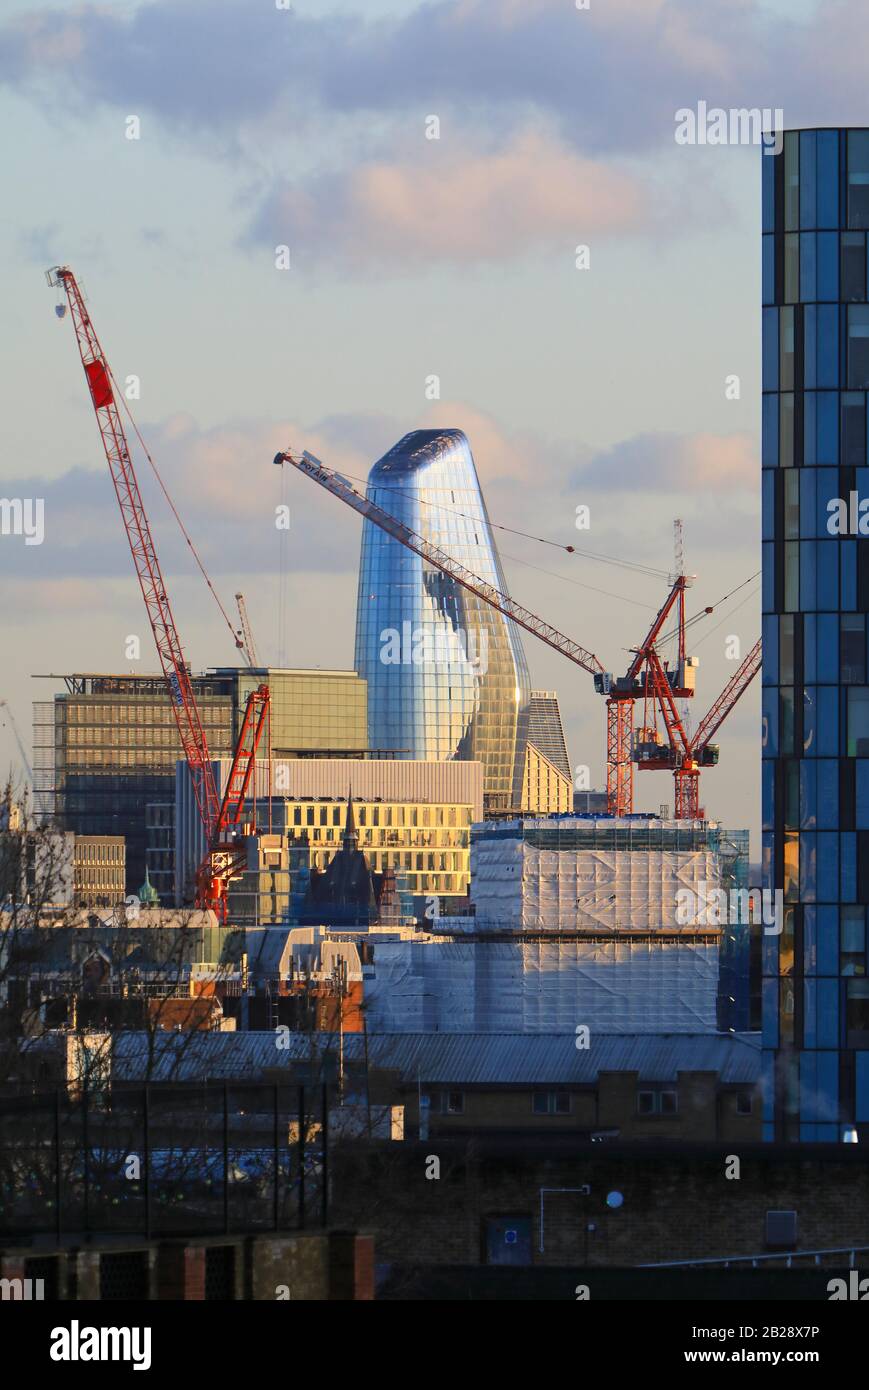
(677, 1205)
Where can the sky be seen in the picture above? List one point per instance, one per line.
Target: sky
(262, 127)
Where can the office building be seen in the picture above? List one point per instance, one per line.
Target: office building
(412, 818)
(815, 602)
(99, 870)
(105, 750)
(546, 731)
(447, 677)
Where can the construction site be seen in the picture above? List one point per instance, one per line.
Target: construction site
(439, 882)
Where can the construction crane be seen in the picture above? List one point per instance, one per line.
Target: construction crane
(4, 704)
(701, 751)
(620, 692)
(245, 637)
(339, 487)
(224, 856)
(647, 677)
(623, 692)
(685, 755)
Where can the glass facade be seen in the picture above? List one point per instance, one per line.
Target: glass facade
(815, 604)
(446, 673)
(107, 749)
(322, 712)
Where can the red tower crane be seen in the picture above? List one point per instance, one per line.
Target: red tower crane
(622, 693)
(701, 752)
(686, 755)
(218, 817)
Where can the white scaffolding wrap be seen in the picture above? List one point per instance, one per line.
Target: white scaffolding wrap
(519, 886)
(543, 987)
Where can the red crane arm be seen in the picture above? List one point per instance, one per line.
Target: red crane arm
(256, 712)
(675, 729)
(733, 691)
(677, 592)
(313, 468)
(99, 380)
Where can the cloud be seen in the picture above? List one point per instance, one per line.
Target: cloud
(465, 207)
(610, 76)
(668, 462)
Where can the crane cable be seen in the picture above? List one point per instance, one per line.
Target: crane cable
(631, 565)
(172, 506)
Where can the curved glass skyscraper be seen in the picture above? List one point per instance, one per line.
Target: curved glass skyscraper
(447, 676)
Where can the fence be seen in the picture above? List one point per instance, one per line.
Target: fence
(192, 1159)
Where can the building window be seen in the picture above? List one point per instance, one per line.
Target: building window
(853, 429)
(743, 1102)
(664, 1102)
(853, 281)
(453, 1103)
(858, 721)
(858, 178)
(857, 1013)
(858, 346)
(852, 938)
(853, 648)
(551, 1103)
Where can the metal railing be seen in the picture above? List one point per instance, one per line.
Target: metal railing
(764, 1258)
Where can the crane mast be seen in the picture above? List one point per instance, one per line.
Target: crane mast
(699, 751)
(99, 379)
(224, 855)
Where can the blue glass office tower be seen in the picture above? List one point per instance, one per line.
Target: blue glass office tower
(815, 605)
(446, 673)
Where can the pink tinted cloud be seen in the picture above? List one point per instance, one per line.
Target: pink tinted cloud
(460, 208)
(672, 462)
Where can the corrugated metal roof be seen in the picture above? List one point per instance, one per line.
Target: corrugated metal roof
(471, 1059)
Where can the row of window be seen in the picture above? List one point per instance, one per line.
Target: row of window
(821, 866)
(817, 267)
(815, 576)
(822, 185)
(814, 503)
(419, 863)
(661, 1101)
(833, 1014)
(98, 853)
(822, 954)
(140, 714)
(822, 327)
(381, 815)
(384, 839)
(832, 427)
(805, 721)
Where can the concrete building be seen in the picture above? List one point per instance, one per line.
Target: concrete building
(545, 789)
(578, 921)
(658, 1087)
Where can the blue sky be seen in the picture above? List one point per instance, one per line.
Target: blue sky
(409, 257)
